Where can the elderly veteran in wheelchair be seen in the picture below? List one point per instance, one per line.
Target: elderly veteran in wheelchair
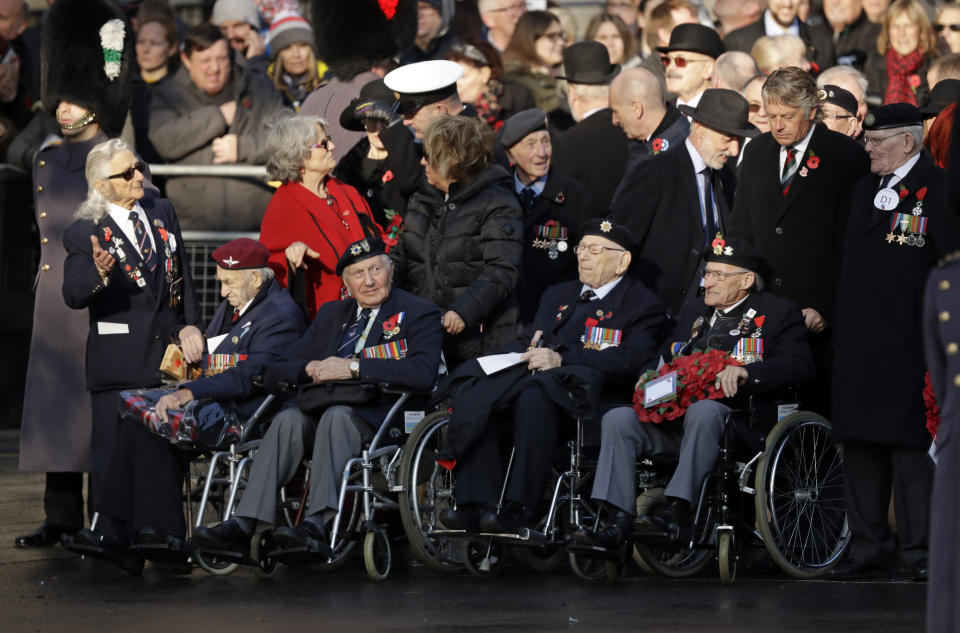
(763, 331)
(141, 503)
(602, 328)
(380, 335)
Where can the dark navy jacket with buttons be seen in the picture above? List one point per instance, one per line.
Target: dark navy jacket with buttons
(130, 325)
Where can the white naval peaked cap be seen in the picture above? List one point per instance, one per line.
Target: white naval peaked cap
(423, 83)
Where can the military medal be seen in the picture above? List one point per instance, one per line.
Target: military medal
(552, 237)
(918, 207)
(391, 327)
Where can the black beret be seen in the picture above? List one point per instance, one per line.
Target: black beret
(893, 115)
(605, 227)
(736, 252)
(520, 124)
(359, 251)
(838, 97)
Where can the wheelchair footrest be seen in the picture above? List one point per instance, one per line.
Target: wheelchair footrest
(618, 555)
(230, 557)
(174, 550)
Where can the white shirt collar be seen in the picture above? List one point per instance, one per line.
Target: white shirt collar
(698, 163)
(771, 28)
(246, 306)
(590, 112)
(901, 172)
(693, 102)
(603, 290)
(122, 217)
(713, 318)
(801, 147)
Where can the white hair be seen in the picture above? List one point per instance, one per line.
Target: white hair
(96, 205)
(825, 77)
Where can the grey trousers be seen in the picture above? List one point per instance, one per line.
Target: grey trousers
(335, 440)
(624, 440)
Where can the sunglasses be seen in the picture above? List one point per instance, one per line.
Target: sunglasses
(127, 174)
(754, 108)
(679, 62)
(940, 27)
(324, 145)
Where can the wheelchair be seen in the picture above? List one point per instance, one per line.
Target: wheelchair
(431, 489)
(781, 489)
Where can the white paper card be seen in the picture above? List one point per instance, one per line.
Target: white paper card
(105, 327)
(213, 342)
(498, 362)
(411, 419)
(783, 410)
(660, 389)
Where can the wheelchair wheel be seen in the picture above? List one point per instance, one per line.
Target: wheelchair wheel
(615, 570)
(484, 557)
(726, 557)
(587, 567)
(428, 488)
(642, 564)
(376, 554)
(800, 505)
(267, 567)
(680, 560)
(213, 565)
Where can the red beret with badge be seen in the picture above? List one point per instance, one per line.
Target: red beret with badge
(240, 254)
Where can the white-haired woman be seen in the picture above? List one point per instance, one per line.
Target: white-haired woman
(313, 216)
(125, 267)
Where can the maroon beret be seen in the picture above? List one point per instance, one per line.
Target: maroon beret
(240, 254)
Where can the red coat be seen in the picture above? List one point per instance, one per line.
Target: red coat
(327, 226)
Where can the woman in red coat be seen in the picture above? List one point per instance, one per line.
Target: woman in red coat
(313, 216)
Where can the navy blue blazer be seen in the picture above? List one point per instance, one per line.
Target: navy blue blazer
(630, 309)
(419, 329)
(130, 325)
(263, 334)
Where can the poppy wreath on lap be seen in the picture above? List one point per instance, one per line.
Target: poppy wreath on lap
(696, 380)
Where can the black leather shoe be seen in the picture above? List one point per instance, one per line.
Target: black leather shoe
(668, 521)
(609, 536)
(106, 547)
(513, 518)
(47, 535)
(856, 570)
(465, 517)
(307, 535)
(226, 537)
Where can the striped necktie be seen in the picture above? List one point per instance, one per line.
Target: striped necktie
(789, 169)
(348, 343)
(143, 242)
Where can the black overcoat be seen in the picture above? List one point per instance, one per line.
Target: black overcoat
(594, 151)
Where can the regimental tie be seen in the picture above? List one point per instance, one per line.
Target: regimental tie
(236, 315)
(586, 295)
(527, 196)
(885, 181)
(789, 169)
(348, 343)
(143, 242)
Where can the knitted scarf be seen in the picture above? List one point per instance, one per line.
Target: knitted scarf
(903, 78)
(488, 105)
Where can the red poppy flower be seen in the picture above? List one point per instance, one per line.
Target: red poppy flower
(127, 267)
(107, 233)
(813, 162)
(246, 103)
(163, 234)
(390, 323)
(759, 320)
(921, 193)
(719, 241)
(389, 8)
(904, 192)
(591, 322)
(387, 176)
(914, 81)
(657, 144)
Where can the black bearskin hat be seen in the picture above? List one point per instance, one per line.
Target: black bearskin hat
(87, 59)
(353, 34)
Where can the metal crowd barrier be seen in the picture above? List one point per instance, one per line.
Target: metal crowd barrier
(198, 246)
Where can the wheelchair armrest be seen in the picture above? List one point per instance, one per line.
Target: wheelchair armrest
(391, 388)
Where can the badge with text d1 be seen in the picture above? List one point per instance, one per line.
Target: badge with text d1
(660, 390)
(886, 199)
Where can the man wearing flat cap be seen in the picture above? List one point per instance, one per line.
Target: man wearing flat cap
(381, 335)
(838, 109)
(689, 61)
(603, 324)
(762, 331)
(256, 323)
(676, 202)
(792, 201)
(594, 151)
(899, 226)
(554, 205)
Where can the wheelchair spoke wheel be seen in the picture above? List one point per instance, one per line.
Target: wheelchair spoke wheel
(376, 554)
(800, 503)
(588, 567)
(726, 557)
(679, 560)
(428, 488)
(264, 544)
(484, 558)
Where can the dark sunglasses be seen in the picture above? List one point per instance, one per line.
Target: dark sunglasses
(127, 174)
(953, 27)
(324, 144)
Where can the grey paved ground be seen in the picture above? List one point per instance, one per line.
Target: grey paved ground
(52, 590)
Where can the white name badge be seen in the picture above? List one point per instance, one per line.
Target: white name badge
(411, 419)
(660, 390)
(886, 199)
(104, 328)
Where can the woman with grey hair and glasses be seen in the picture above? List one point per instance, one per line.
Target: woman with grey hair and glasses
(313, 217)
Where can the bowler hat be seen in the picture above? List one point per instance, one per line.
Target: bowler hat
(588, 63)
(945, 92)
(695, 38)
(374, 90)
(723, 110)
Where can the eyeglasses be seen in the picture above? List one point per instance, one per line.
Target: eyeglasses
(594, 249)
(127, 174)
(940, 27)
(516, 7)
(873, 140)
(679, 62)
(716, 275)
(755, 107)
(324, 145)
(838, 117)
(558, 36)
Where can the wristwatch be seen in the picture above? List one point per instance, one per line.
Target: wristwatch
(354, 368)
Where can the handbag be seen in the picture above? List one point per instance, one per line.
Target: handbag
(314, 399)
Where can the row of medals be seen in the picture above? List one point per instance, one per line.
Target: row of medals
(910, 239)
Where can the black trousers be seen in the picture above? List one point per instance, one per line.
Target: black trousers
(869, 472)
(105, 406)
(63, 500)
(537, 431)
